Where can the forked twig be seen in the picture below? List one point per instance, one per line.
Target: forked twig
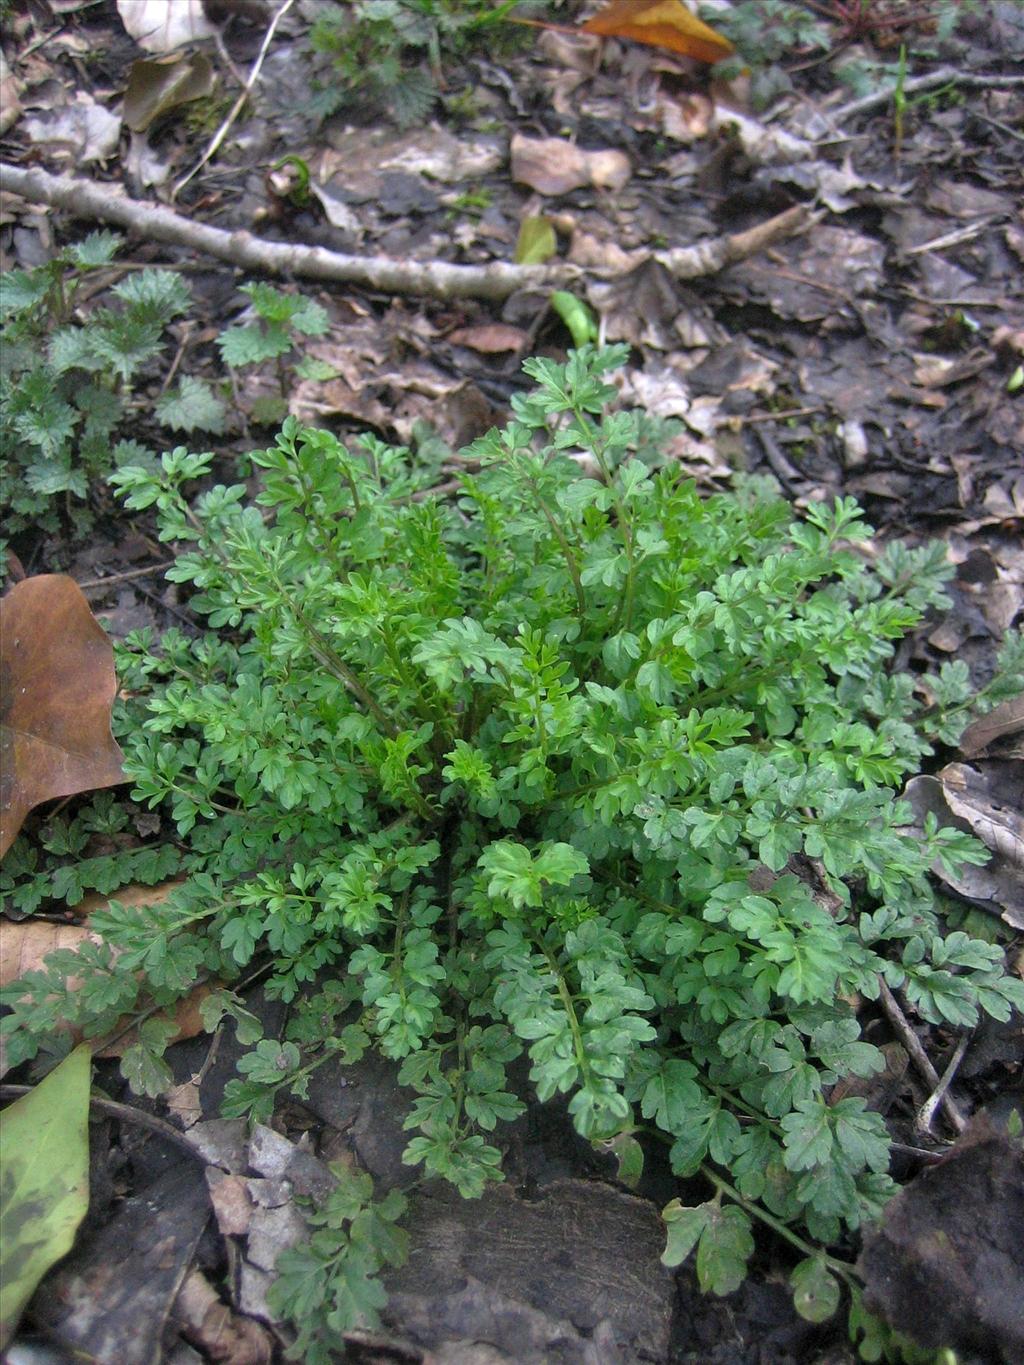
(910, 1040)
(926, 1114)
(239, 103)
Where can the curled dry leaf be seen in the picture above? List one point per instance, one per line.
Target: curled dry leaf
(985, 799)
(1000, 723)
(163, 25)
(225, 1336)
(10, 90)
(57, 686)
(25, 943)
(550, 165)
(158, 86)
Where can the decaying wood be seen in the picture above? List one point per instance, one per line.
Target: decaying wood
(437, 279)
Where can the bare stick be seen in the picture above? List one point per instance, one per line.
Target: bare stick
(926, 1114)
(910, 1040)
(435, 279)
(946, 75)
(124, 577)
(236, 108)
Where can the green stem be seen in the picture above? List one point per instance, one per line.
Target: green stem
(563, 543)
(841, 1268)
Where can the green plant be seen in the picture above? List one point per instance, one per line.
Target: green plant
(66, 379)
(589, 769)
(279, 321)
(769, 33)
(472, 202)
(378, 49)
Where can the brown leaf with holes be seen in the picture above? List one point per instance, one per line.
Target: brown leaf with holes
(57, 686)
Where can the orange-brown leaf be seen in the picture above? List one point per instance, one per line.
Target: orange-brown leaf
(660, 23)
(57, 686)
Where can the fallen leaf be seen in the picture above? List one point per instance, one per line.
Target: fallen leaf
(25, 943)
(944, 1263)
(210, 1324)
(550, 165)
(163, 25)
(1005, 719)
(985, 800)
(158, 86)
(57, 686)
(83, 131)
(536, 243)
(45, 1192)
(490, 339)
(660, 23)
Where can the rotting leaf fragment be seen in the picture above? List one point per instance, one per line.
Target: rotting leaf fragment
(57, 686)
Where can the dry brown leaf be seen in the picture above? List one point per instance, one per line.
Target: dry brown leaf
(57, 686)
(491, 338)
(210, 1324)
(986, 799)
(1005, 719)
(550, 165)
(158, 86)
(660, 23)
(10, 89)
(82, 131)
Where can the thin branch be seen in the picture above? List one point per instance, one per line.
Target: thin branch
(239, 103)
(126, 1113)
(920, 1058)
(436, 279)
(926, 1114)
(126, 576)
(946, 75)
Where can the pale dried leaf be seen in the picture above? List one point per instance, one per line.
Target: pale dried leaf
(1005, 719)
(551, 166)
(985, 801)
(163, 25)
(83, 131)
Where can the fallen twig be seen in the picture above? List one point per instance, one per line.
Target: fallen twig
(239, 103)
(125, 576)
(126, 1113)
(926, 1114)
(946, 75)
(920, 1058)
(437, 279)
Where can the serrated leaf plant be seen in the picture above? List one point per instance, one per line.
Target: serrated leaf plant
(590, 769)
(390, 53)
(274, 326)
(66, 378)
